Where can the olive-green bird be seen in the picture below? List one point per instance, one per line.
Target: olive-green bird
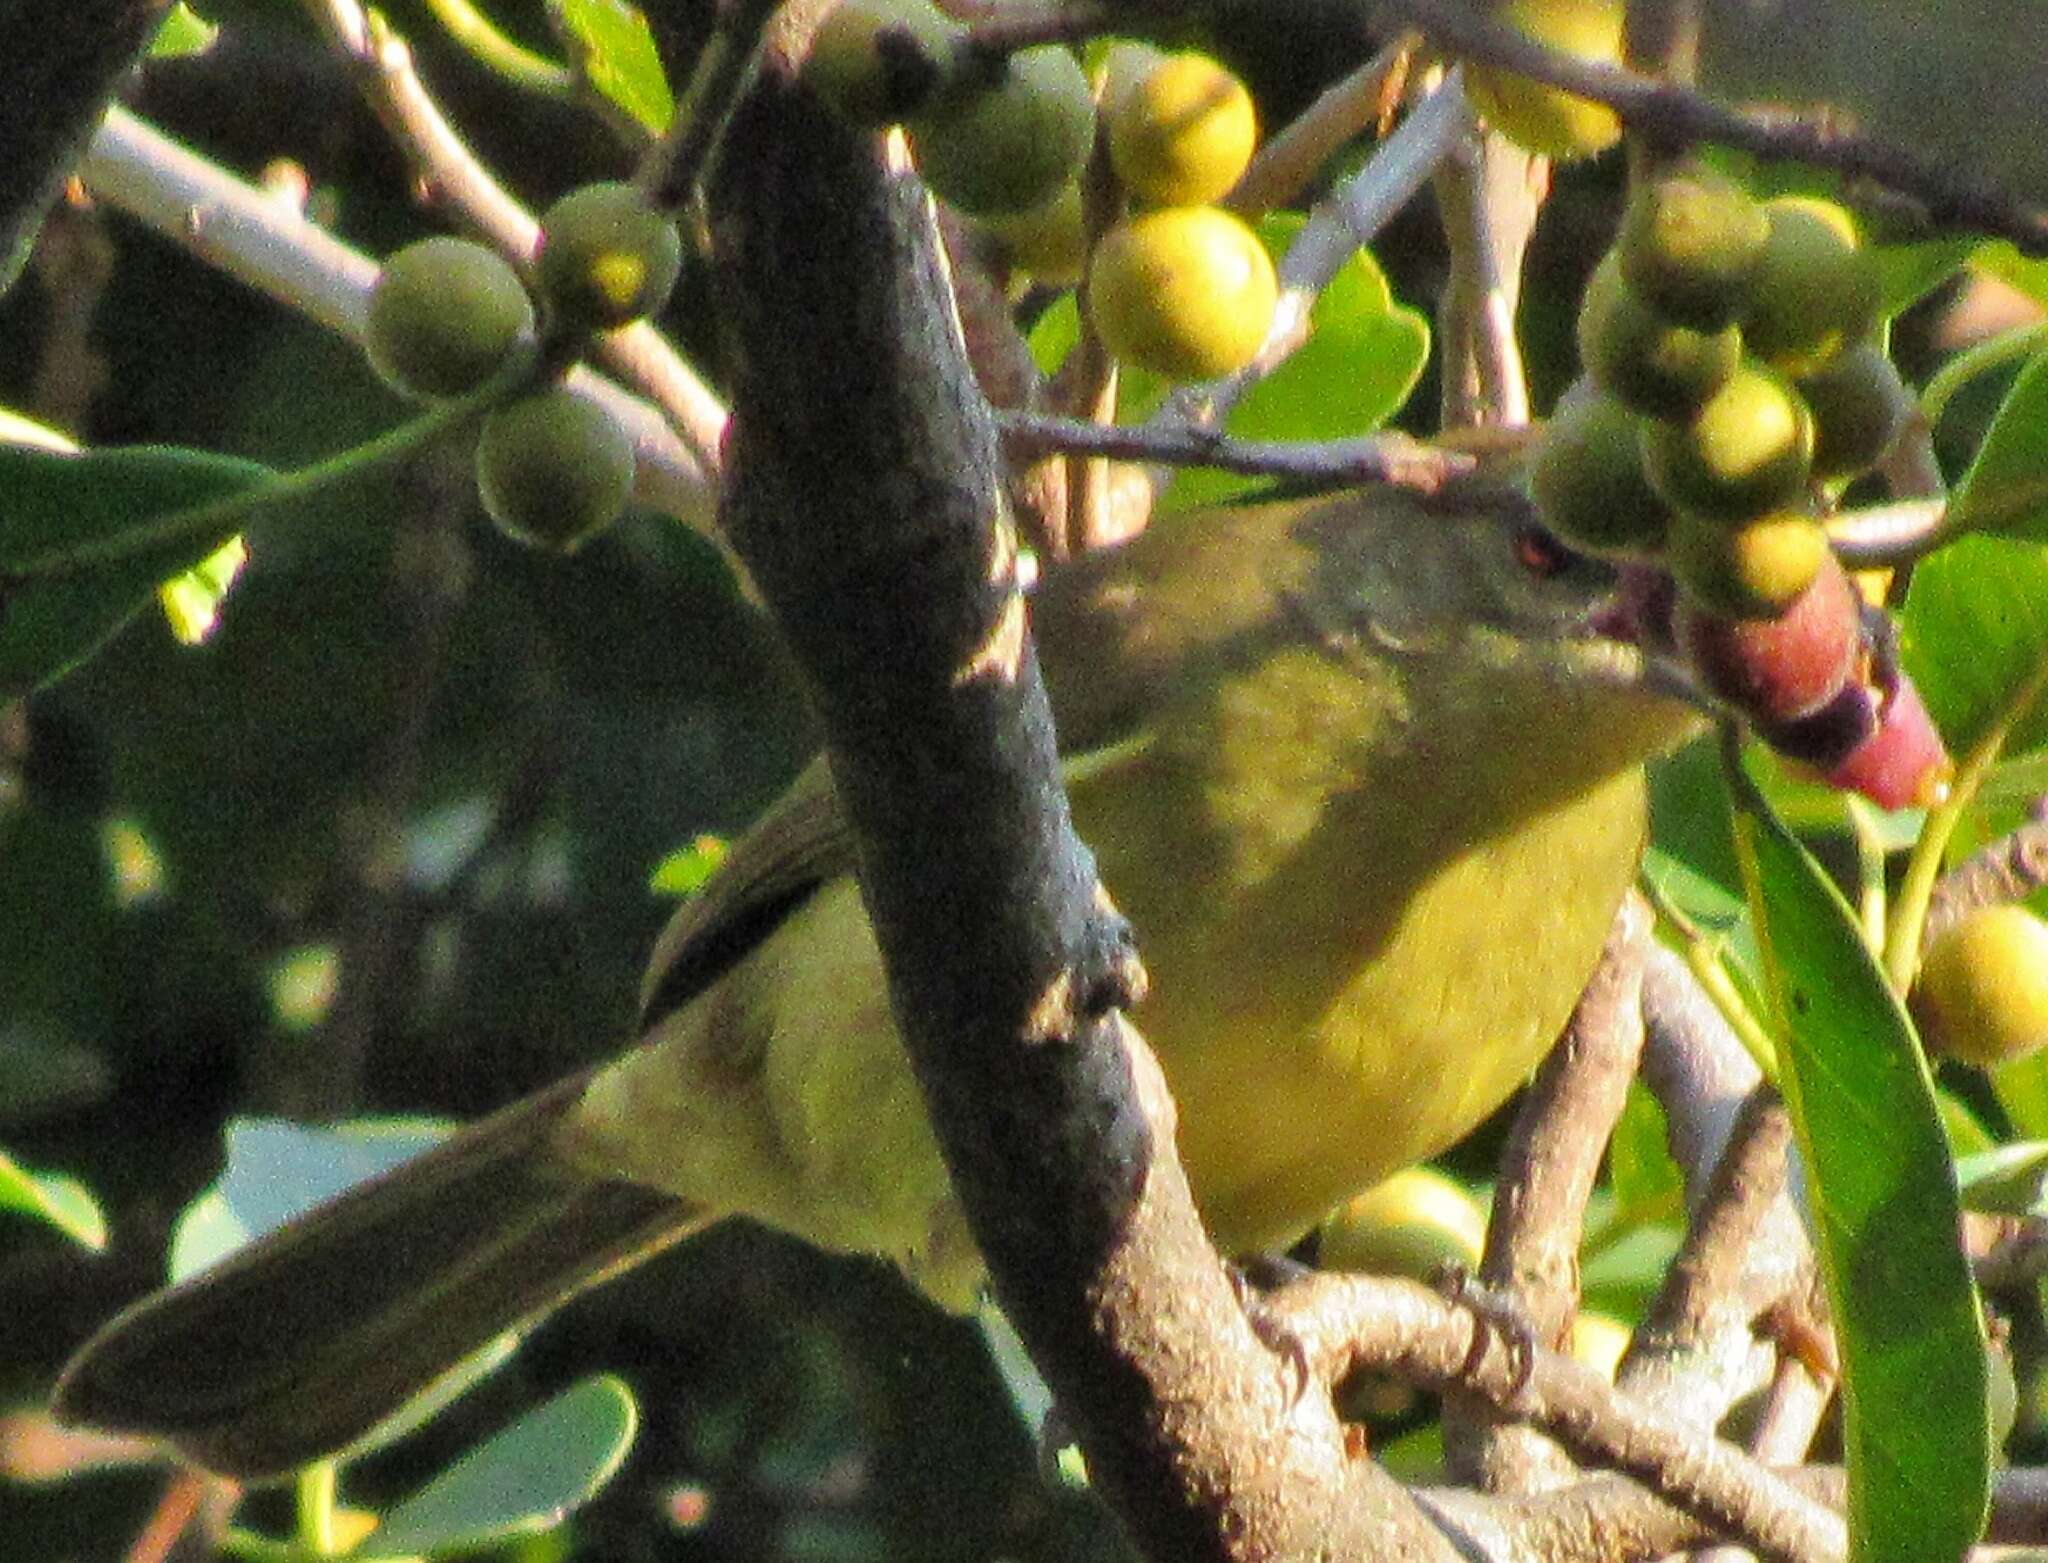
(1366, 782)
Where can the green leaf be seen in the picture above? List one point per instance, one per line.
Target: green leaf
(1912, 271)
(277, 1170)
(1624, 1270)
(1647, 1183)
(1355, 371)
(2022, 1090)
(526, 1479)
(1973, 632)
(63, 1202)
(615, 52)
(1883, 1197)
(688, 869)
(1053, 335)
(57, 506)
(2006, 1180)
(2005, 492)
(2027, 273)
(192, 599)
(183, 32)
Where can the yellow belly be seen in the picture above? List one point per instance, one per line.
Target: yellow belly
(1301, 1082)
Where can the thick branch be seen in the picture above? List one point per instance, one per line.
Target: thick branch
(864, 495)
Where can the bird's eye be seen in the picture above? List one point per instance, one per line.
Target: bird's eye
(1540, 554)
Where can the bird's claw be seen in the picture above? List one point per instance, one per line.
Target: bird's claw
(1496, 1315)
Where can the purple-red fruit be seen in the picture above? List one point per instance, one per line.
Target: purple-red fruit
(1904, 763)
(1778, 670)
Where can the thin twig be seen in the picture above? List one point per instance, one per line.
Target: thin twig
(501, 54)
(1391, 458)
(1747, 1180)
(2008, 869)
(673, 170)
(1339, 226)
(1698, 1351)
(1294, 154)
(1878, 537)
(1489, 193)
(1951, 197)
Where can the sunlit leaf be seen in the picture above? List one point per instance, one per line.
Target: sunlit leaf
(63, 1202)
(616, 53)
(183, 32)
(1974, 631)
(687, 870)
(1883, 1198)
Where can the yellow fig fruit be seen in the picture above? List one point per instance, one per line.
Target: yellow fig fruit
(1560, 125)
(1411, 1224)
(1982, 994)
(1183, 135)
(1186, 291)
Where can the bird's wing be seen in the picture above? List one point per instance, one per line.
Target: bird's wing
(798, 845)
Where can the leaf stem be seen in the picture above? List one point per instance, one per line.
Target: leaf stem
(492, 48)
(1870, 874)
(315, 1493)
(1701, 952)
(1923, 868)
(228, 513)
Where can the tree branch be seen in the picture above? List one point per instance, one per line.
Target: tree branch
(1349, 1323)
(268, 245)
(1951, 197)
(870, 517)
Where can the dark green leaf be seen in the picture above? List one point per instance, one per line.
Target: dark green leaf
(52, 505)
(526, 1479)
(1883, 1197)
(1646, 1181)
(2006, 489)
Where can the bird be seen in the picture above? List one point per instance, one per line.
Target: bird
(1365, 774)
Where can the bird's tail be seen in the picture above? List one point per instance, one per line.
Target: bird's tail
(305, 1340)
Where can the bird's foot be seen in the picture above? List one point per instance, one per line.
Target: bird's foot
(1497, 1315)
